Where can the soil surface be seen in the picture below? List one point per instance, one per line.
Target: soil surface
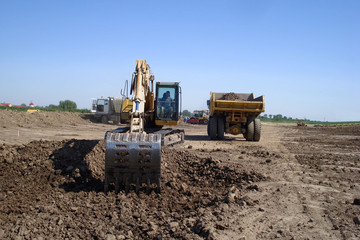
(296, 183)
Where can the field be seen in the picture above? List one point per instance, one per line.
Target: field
(296, 183)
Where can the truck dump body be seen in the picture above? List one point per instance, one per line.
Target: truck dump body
(236, 102)
(235, 113)
(117, 104)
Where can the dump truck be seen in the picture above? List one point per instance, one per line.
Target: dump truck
(108, 109)
(235, 113)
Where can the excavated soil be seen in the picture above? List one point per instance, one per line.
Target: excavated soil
(296, 183)
(231, 96)
(54, 189)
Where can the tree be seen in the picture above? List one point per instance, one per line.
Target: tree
(67, 105)
(278, 117)
(186, 113)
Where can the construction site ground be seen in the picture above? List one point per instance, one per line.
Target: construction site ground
(296, 183)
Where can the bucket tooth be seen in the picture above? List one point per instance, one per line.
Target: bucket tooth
(137, 185)
(158, 183)
(106, 184)
(127, 184)
(148, 185)
(117, 184)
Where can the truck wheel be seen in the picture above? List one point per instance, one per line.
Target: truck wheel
(257, 129)
(250, 131)
(220, 127)
(206, 121)
(104, 119)
(213, 128)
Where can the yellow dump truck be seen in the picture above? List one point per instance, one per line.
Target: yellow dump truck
(235, 113)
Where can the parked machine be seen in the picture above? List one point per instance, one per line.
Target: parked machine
(133, 153)
(108, 109)
(199, 117)
(300, 123)
(235, 113)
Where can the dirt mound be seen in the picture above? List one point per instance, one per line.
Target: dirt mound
(53, 189)
(231, 96)
(9, 118)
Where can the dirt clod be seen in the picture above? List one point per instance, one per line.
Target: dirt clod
(231, 96)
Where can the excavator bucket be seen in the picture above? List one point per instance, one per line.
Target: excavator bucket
(132, 159)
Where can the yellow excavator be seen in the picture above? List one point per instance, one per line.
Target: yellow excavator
(133, 153)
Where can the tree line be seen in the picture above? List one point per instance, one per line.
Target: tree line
(279, 117)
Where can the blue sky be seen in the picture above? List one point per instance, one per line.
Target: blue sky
(303, 56)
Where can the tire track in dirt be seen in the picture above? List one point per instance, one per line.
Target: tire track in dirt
(287, 207)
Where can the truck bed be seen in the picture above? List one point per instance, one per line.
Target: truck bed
(237, 102)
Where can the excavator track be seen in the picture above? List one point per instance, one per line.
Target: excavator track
(132, 159)
(171, 137)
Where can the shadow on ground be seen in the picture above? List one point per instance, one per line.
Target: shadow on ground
(73, 161)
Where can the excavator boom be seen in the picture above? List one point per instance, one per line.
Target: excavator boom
(133, 157)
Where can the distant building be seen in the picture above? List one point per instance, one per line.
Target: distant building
(32, 104)
(6, 104)
(9, 105)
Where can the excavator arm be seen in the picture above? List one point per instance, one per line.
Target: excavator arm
(140, 86)
(133, 157)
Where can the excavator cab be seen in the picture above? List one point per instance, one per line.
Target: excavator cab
(167, 103)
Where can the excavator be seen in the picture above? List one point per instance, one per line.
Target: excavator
(133, 153)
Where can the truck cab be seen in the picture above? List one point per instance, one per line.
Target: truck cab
(102, 105)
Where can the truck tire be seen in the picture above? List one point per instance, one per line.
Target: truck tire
(213, 128)
(220, 127)
(257, 130)
(104, 119)
(250, 131)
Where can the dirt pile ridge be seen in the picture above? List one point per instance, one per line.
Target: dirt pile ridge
(9, 118)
